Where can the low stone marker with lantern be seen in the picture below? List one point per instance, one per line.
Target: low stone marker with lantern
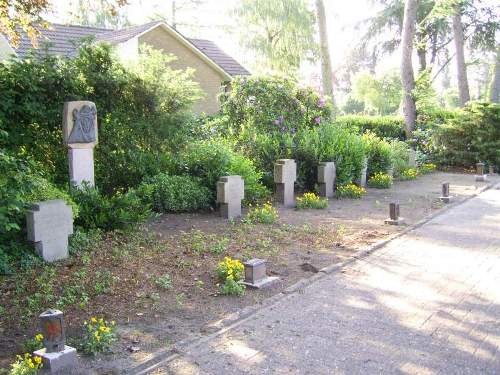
(49, 224)
(285, 175)
(57, 357)
(326, 179)
(255, 274)
(394, 218)
(445, 193)
(80, 136)
(480, 175)
(230, 193)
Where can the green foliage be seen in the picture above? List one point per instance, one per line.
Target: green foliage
(471, 136)
(230, 273)
(427, 168)
(174, 193)
(382, 126)
(211, 159)
(409, 174)
(98, 337)
(353, 106)
(311, 200)
(400, 152)
(349, 191)
(84, 240)
(380, 95)
(164, 282)
(263, 214)
(97, 211)
(26, 365)
(379, 154)
(380, 180)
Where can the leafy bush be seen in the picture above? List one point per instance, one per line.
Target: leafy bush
(472, 135)
(311, 200)
(99, 335)
(349, 191)
(400, 152)
(379, 154)
(121, 211)
(230, 273)
(409, 174)
(427, 168)
(211, 159)
(381, 126)
(174, 193)
(380, 181)
(264, 214)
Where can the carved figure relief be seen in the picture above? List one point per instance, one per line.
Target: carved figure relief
(84, 129)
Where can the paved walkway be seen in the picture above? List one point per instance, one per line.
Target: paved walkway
(428, 303)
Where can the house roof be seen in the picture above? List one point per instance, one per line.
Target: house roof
(62, 40)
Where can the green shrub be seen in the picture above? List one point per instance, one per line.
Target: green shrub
(380, 181)
(427, 168)
(97, 211)
(400, 152)
(230, 273)
(98, 337)
(311, 200)
(382, 126)
(349, 191)
(174, 193)
(472, 135)
(263, 214)
(409, 174)
(84, 240)
(379, 154)
(164, 282)
(209, 160)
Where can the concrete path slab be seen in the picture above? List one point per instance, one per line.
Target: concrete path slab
(427, 303)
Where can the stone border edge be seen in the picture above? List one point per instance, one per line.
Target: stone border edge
(167, 355)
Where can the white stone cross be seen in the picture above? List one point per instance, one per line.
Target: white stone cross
(49, 224)
(285, 175)
(230, 193)
(326, 178)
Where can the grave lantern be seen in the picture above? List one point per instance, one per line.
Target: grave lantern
(52, 326)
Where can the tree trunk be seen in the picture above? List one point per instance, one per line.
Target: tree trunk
(407, 77)
(495, 81)
(458, 36)
(326, 65)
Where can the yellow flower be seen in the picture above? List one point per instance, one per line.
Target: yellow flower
(113, 322)
(39, 337)
(93, 320)
(38, 360)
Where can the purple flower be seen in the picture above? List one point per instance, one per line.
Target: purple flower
(317, 120)
(293, 130)
(321, 102)
(279, 121)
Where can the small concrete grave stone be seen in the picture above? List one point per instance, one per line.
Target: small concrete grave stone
(480, 176)
(230, 193)
(80, 136)
(412, 158)
(491, 169)
(57, 357)
(361, 181)
(255, 274)
(49, 224)
(285, 175)
(394, 218)
(445, 193)
(326, 178)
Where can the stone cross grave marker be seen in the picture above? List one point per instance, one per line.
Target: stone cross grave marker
(49, 224)
(80, 135)
(326, 178)
(394, 218)
(255, 274)
(57, 357)
(230, 193)
(285, 175)
(445, 193)
(364, 169)
(480, 176)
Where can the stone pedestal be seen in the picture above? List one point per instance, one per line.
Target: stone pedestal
(255, 274)
(326, 179)
(445, 193)
(412, 158)
(361, 181)
(491, 170)
(80, 135)
(59, 363)
(480, 175)
(48, 225)
(230, 193)
(394, 218)
(285, 175)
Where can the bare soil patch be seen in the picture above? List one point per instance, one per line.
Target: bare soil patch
(119, 279)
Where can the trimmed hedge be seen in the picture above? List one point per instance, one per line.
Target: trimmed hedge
(382, 126)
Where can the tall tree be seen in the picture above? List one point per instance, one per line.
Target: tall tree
(279, 32)
(407, 76)
(458, 37)
(495, 81)
(326, 63)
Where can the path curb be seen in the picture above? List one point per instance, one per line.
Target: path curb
(167, 355)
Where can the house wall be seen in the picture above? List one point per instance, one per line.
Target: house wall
(5, 48)
(208, 78)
